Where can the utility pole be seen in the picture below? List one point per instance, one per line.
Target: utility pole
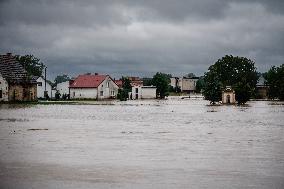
(45, 92)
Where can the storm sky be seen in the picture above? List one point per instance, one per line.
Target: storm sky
(142, 37)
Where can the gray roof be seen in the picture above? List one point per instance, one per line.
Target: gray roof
(12, 70)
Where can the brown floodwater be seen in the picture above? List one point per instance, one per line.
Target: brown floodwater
(142, 144)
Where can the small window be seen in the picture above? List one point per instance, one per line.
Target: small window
(1, 93)
(39, 84)
(108, 84)
(101, 93)
(136, 90)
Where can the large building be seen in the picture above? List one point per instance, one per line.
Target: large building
(96, 86)
(20, 87)
(185, 84)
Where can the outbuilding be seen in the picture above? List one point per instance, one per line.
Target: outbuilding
(143, 92)
(228, 95)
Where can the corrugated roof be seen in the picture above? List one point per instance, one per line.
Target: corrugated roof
(88, 81)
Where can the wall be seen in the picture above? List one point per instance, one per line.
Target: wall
(109, 90)
(81, 93)
(40, 89)
(139, 93)
(148, 92)
(144, 92)
(188, 84)
(232, 97)
(63, 88)
(4, 89)
(22, 92)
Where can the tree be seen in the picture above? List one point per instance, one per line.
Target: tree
(126, 88)
(275, 80)
(161, 81)
(190, 75)
(61, 78)
(200, 84)
(238, 72)
(32, 65)
(212, 87)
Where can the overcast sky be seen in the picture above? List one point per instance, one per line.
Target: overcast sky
(134, 37)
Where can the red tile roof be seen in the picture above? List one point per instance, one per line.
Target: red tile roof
(88, 81)
(119, 83)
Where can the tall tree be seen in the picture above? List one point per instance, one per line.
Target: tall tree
(212, 87)
(61, 78)
(238, 72)
(32, 65)
(275, 80)
(200, 84)
(161, 81)
(126, 88)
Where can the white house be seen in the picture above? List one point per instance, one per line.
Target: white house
(143, 92)
(4, 93)
(63, 88)
(93, 87)
(42, 86)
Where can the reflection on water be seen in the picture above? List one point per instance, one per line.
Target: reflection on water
(142, 144)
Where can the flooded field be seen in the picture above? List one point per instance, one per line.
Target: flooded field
(142, 144)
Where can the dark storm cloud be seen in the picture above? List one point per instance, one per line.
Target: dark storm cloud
(142, 37)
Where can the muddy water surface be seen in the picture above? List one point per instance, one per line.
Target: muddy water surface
(142, 144)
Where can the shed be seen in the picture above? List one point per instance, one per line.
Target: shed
(228, 95)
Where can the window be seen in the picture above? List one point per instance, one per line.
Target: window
(39, 84)
(136, 90)
(108, 84)
(112, 93)
(101, 93)
(1, 93)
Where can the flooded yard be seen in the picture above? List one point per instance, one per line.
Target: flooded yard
(142, 144)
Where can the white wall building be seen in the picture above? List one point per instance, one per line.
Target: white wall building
(3, 89)
(63, 88)
(41, 88)
(143, 92)
(93, 87)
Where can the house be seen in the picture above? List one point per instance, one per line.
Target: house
(96, 86)
(43, 86)
(3, 89)
(21, 87)
(186, 84)
(143, 92)
(63, 88)
(228, 95)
